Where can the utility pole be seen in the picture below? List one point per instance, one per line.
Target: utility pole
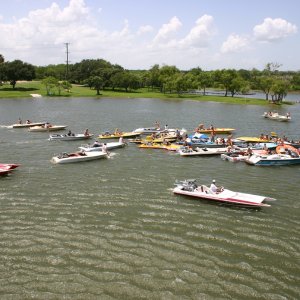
(67, 61)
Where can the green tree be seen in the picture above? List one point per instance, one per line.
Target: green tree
(237, 85)
(17, 70)
(279, 90)
(166, 72)
(1, 59)
(225, 78)
(63, 85)
(50, 83)
(96, 83)
(265, 84)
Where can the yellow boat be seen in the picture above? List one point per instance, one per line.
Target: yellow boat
(217, 130)
(117, 135)
(152, 146)
(252, 139)
(172, 147)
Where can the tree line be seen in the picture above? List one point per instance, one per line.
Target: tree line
(100, 74)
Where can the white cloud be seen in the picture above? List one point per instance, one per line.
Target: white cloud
(145, 29)
(167, 30)
(274, 29)
(200, 35)
(235, 43)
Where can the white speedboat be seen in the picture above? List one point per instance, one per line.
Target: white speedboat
(234, 157)
(79, 156)
(148, 130)
(273, 160)
(285, 155)
(71, 137)
(188, 151)
(98, 147)
(276, 116)
(26, 125)
(192, 189)
(45, 128)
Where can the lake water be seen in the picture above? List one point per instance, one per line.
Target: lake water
(112, 229)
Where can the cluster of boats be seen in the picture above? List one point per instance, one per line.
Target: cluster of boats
(258, 151)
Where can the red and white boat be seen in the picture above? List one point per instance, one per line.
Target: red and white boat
(6, 168)
(191, 188)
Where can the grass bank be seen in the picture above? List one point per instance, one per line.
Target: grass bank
(25, 89)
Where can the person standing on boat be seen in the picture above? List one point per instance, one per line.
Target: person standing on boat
(104, 148)
(86, 132)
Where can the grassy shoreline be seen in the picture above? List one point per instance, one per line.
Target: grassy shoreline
(25, 89)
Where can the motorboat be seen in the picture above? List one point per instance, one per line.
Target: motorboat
(216, 130)
(188, 151)
(7, 168)
(272, 160)
(98, 146)
(117, 135)
(27, 125)
(79, 156)
(148, 130)
(285, 155)
(190, 188)
(152, 145)
(241, 155)
(47, 127)
(277, 117)
(253, 139)
(69, 137)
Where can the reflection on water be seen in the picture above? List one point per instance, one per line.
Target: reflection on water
(112, 229)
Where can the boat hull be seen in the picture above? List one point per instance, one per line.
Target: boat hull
(76, 157)
(217, 130)
(46, 129)
(109, 146)
(117, 136)
(25, 125)
(273, 162)
(65, 137)
(201, 151)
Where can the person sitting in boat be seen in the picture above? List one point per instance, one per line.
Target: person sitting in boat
(121, 140)
(249, 151)
(117, 131)
(69, 133)
(28, 122)
(96, 144)
(20, 121)
(214, 188)
(157, 125)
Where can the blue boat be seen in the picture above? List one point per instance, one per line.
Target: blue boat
(273, 160)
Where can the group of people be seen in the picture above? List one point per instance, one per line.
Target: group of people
(21, 122)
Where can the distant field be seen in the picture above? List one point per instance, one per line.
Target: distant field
(24, 89)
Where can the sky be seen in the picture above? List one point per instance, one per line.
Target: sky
(137, 34)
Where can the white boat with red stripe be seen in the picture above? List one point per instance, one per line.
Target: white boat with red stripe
(190, 188)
